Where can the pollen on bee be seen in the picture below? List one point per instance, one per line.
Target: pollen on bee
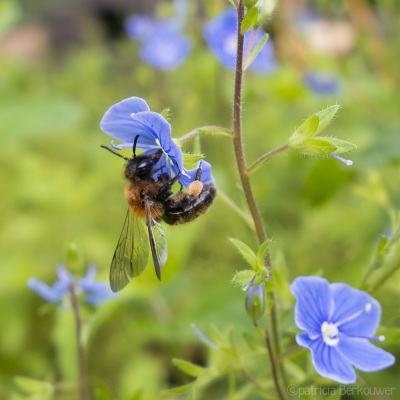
(195, 188)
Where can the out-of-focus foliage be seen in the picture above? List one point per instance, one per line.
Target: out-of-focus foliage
(57, 80)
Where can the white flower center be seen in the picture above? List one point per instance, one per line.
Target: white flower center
(330, 333)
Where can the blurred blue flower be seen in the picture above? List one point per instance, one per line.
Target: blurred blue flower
(164, 46)
(338, 321)
(220, 35)
(131, 117)
(322, 84)
(95, 292)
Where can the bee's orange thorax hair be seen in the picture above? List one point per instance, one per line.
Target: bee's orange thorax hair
(134, 195)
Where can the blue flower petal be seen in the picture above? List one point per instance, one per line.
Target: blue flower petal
(220, 35)
(349, 302)
(49, 293)
(322, 84)
(165, 50)
(139, 27)
(118, 121)
(190, 174)
(364, 355)
(327, 360)
(314, 302)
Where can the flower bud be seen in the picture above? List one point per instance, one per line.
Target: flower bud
(255, 302)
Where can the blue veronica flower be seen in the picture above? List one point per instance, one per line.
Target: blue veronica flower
(220, 35)
(95, 292)
(164, 46)
(322, 84)
(131, 117)
(338, 321)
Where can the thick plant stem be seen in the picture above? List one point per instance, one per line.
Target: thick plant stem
(247, 188)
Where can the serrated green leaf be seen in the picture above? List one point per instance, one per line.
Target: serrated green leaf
(262, 252)
(325, 117)
(342, 146)
(249, 20)
(255, 51)
(306, 130)
(250, 3)
(243, 277)
(181, 389)
(315, 146)
(191, 160)
(246, 252)
(216, 131)
(188, 367)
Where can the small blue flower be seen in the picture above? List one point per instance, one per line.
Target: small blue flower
(338, 321)
(163, 45)
(220, 35)
(322, 84)
(132, 117)
(95, 292)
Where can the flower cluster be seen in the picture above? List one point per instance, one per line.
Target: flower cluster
(338, 321)
(131, 117)
(164, 46)
(220, 35)
(94, 292)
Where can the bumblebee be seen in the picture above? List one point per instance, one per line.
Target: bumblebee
(151, 201)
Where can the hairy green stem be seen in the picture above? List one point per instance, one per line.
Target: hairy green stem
(197, 131)
(256, 164)
(248, 191)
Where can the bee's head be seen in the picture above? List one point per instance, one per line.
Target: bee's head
(142, 166)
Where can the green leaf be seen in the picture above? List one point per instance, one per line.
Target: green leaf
(249, 3)
(255, 51)
(28, 386)
(188, 367)
(249, 20)
(243, 277)
(254, 342)
(325, 117)
(342, 146)
(191, 160)
(166, 113)
(305, 131)
(216, 336)
(234, 3)
(315, 146)
(262, 252)
(216, 131)
(246, 252)
(181, 389)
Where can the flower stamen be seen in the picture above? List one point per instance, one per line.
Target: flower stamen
(341, 159)
(330, 333)
(366, 309)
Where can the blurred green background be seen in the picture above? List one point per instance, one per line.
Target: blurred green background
(64, 64)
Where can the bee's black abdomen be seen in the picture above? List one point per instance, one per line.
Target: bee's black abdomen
(181, 209)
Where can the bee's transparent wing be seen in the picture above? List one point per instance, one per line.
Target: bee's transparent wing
(131, 254)
(158, 242)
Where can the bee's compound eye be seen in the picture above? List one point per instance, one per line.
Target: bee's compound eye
(195, 188)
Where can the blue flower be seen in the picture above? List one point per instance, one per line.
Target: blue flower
(220, 35)
(132, 117)
(95, 292)
(322, 84)
(338, 321)
(163, 45)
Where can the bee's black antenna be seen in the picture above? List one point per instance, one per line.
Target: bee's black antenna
(114, 152)
(134, 145)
